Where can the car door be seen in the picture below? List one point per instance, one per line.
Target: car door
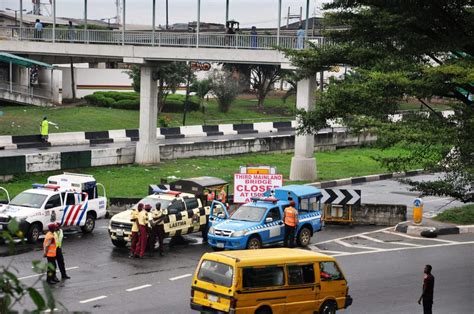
(274, 226)
(333, 283)
(175, 215)
(303, 288)
(195, 218)
(53, 207)
(218, 212)
(69, 212)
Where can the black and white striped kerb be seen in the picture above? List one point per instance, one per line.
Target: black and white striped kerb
(341, 197)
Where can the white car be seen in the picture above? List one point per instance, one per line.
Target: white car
(69, 199)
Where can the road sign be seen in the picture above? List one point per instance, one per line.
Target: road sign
(250, 185)
(341, 197)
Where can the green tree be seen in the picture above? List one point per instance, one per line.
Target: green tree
(225, 87)
(201, 88)
(402, 49)
(13, 290)
(262, 78)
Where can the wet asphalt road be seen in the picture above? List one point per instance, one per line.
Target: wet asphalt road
(105, 280)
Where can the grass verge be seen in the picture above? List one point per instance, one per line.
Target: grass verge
(25, 120)
(133, 180)
(463, 215)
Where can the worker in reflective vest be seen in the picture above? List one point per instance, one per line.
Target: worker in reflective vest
(291, 222)
(135, 229)
(44, 129)
(142, 233)
(158, 216)
(49, 249)
(58, 236)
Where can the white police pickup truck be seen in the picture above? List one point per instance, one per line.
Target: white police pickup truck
(69, 199)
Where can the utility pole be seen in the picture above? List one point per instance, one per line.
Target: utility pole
(167, 22)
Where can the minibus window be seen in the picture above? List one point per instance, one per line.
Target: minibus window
(329, 271)
(300, 274)
(216, 273)
(263, 277)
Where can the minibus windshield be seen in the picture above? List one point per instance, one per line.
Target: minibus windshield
(216, 273)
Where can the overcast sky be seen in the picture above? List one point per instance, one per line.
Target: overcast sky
(261, 13)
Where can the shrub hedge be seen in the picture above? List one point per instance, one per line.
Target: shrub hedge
(131, 101)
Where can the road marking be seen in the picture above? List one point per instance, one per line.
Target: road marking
(355, 235)
(93, 299)
(49, 310)
(180, 277)
(138, 288)
(363, 236)
(37, 275)
(405, 248)
(340, 242)
(418, 238)
(327, 251)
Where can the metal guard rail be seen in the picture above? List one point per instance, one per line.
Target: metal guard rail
(161, 38)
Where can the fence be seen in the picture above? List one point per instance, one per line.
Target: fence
(164, 39)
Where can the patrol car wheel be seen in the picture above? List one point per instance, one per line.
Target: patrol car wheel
(254, 243)
(328, 308)
(119, 243)
(34, 233)
(304, 237)
(89, 225)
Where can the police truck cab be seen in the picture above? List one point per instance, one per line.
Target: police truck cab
(70, 199)
(260, 222)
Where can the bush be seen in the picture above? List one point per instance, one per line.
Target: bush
(131, 101)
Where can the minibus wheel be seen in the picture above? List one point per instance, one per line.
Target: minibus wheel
(254, 243)
(264, 310)
(328, 307)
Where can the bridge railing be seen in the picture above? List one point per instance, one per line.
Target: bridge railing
(24, 90)
(162, 38)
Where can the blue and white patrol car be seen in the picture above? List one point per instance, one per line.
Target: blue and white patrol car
(260, 222)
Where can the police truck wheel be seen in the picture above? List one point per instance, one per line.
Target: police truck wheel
(89, 225)
(304, 236)
(34, 233)
(328, 308)
(254, 243)
(119, 243)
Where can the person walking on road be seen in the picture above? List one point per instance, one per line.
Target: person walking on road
(158, 227)
(135, 229)
(49, 250)
(428, 287)
(290, 218)
(44, 129)
(58, 237)
(142, 234)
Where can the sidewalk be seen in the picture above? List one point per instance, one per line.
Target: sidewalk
(432, 227)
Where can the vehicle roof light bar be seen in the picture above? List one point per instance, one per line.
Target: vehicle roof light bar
(46, 186)
(161, 191)
(265, 199)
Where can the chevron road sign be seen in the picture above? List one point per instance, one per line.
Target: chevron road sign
(341, 197)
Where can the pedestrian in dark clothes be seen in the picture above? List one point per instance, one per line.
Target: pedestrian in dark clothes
(428, 287)
(58, 236)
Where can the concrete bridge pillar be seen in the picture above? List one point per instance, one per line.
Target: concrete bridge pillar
(148, 150)
(303, 164)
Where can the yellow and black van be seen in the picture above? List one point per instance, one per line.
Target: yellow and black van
(277, 280)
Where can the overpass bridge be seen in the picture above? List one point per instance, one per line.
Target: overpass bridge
(149, 49)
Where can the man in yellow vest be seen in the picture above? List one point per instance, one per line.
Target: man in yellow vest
(58, 236)
(135, 229)
(142, 233)
(44, 129)
(290, 218)
(49, 249)
(158, 216)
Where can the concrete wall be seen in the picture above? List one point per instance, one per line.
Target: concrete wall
(380, 214)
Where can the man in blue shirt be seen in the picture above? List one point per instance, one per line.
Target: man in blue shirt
(300, 38)
(38, 29)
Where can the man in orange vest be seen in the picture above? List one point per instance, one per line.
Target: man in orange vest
(290, 219)
(49, 249)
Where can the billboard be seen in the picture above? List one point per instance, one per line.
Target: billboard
(248, 185)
